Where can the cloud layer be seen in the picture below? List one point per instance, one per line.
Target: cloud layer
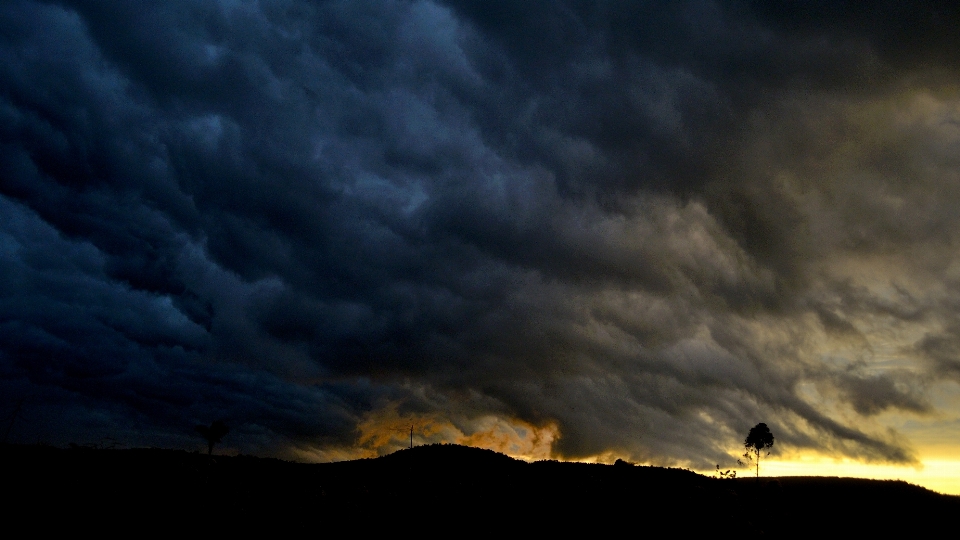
(630, 230)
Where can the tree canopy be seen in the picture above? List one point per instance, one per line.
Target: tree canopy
(758, 440)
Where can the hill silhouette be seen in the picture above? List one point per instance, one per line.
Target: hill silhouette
(443, 485)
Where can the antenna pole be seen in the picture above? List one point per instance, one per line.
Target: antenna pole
(411, 435)
(13, 418)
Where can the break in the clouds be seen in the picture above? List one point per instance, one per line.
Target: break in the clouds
(555, 228)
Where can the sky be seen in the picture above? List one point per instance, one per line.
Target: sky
(562, 230)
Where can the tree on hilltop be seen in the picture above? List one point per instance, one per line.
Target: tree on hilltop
(213, 433)
(758, 440)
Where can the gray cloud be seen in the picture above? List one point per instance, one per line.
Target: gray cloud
(651, 226)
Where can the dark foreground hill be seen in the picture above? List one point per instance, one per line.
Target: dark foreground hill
(440, 490)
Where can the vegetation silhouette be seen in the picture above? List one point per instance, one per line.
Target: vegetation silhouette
(758, 440)
(213, 434)
(729, 473)
(446, 485)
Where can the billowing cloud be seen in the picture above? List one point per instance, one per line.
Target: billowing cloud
(555, 229)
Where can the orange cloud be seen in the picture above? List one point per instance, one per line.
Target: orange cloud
(387, 430)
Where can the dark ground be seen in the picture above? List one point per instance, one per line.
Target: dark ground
(440, 490)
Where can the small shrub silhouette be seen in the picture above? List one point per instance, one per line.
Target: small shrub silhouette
(729, 473)
(213, 434)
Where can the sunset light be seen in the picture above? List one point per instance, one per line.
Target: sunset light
(641, 234)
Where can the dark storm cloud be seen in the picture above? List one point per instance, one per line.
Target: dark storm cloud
(624, 220)
(91, 357)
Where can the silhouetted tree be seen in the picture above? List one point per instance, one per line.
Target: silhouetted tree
(213, 433)
(758, 440)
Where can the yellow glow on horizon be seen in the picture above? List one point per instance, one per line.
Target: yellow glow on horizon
(940, 474)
